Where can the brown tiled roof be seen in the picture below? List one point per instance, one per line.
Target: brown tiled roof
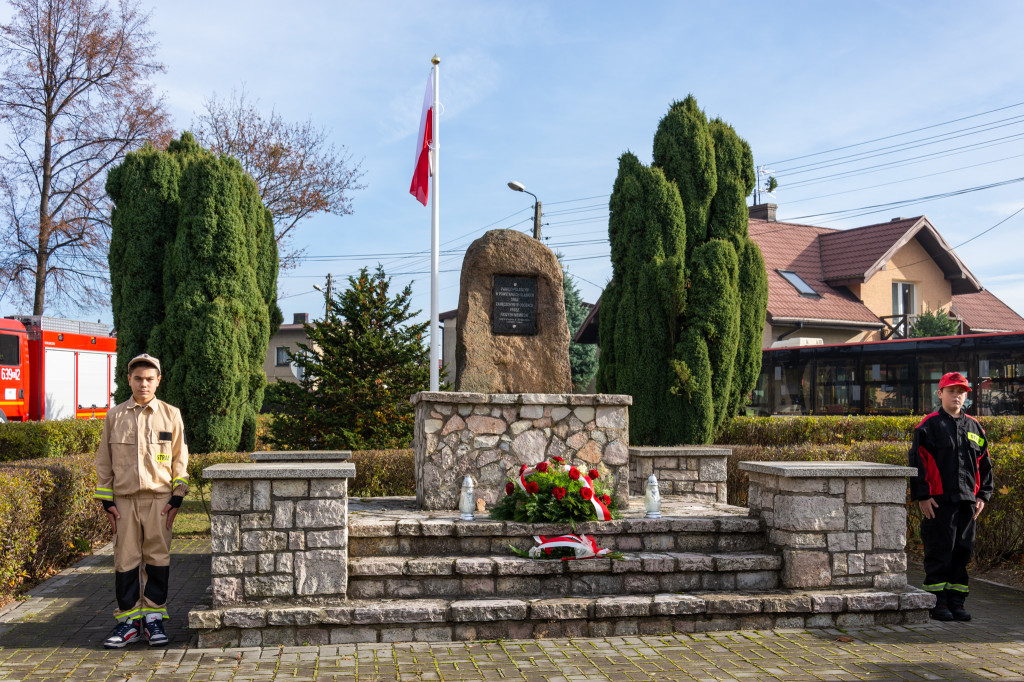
(983, 312)
(789, 246)
(849, 254)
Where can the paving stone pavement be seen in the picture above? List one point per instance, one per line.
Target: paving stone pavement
(56, 634)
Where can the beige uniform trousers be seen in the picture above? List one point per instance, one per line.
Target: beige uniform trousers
(142, 555)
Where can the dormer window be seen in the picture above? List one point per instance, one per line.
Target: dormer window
(798, 283)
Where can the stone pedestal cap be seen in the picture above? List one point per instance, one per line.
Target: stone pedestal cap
(279, 470)
(828, 469)
(302, 456)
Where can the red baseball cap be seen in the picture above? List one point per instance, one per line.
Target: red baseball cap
(953, 379)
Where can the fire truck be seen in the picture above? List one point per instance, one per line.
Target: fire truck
(55, 369)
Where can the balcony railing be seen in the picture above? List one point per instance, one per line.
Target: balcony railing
(898, 326)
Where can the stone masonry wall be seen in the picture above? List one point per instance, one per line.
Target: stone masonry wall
(695, 474)
(489, 436)
(836, 523)
(279, 540)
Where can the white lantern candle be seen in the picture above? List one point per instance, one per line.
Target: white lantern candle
(652, 498)
(467, 505)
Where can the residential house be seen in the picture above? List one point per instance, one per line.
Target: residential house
(867, 283)
(277, 364)
(829, 286)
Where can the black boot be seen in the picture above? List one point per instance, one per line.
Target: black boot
(955, 600)
(940, 611)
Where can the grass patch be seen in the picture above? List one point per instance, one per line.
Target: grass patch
(192, 519)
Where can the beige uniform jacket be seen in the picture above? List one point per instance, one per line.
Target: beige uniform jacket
(142, 450)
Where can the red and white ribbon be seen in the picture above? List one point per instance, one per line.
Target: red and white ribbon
(582, 546)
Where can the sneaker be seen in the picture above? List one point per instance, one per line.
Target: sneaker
(154, 629)
(125, 633)
(940, 612)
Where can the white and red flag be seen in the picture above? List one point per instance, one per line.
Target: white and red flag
(420, 187)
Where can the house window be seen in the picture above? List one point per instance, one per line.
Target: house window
(903, 298)
(282, 356)
(798, 283)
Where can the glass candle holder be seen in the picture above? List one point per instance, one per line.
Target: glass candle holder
(652, 498)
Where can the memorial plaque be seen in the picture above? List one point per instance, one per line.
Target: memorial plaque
(515, 305)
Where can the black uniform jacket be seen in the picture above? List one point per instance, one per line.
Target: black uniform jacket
(951, 457)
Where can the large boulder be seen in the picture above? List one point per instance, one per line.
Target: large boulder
(493, 354)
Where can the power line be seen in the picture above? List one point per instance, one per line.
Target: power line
(897, 182)
(903, 146)
(878, 208)
(889, 137)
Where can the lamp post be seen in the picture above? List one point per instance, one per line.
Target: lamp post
(519, 187)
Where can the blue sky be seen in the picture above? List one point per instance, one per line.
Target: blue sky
(551, 93)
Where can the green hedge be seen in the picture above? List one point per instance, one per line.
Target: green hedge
(48, 517)
(59, 438)
(791, 431)
(1000, 535)
(381, 473)
(19, 524)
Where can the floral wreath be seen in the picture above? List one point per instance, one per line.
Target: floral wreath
(587, 491)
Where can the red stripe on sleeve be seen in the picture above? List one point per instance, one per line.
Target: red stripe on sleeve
(931, 472)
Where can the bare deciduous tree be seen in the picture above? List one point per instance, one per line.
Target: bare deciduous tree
(298, 171)
(75, 97)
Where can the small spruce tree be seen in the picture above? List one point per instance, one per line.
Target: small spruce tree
(934, 323)
(359, 368)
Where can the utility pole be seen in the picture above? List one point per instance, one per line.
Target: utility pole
(327, 294)
(536, 220)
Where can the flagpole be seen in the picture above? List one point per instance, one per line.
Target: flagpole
(435, 219)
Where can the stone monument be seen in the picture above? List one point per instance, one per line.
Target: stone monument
(511, 334)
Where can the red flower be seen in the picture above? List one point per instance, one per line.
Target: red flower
(606, 499)
(587, 493)
(593, 474)
(574, 473)
(542, 467)
(547, 550)
(532, 487)
(557, 459)
(559, 493)
(509, 488)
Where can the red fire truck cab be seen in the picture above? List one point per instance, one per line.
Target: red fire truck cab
(55, 369)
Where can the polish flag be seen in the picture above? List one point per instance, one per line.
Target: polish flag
(421, 174)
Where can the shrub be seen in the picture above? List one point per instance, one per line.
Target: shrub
(792, 431)
(383, 473)
(59, 438)
(19, 521)
(54, 519)
(1000, 534)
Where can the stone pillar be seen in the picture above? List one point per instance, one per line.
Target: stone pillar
(489, 436)
(835, 523)
(279, 532)
(694, 473)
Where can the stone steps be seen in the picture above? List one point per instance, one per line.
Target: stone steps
(393, 527)
(393, 620)
(509, 575)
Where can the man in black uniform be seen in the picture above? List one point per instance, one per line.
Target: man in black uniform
(953, 483)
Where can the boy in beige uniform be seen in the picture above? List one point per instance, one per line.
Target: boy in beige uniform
(141, 480)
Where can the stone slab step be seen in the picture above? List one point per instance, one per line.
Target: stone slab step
(510, 575)
(392, 527)
(397, 620)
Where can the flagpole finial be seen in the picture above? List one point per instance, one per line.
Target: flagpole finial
(435, 60)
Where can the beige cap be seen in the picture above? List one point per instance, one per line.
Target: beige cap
(145, 357)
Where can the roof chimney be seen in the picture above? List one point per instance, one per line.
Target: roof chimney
(301, 318)
(763, 212)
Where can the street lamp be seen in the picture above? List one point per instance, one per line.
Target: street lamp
(327, 297)
(519, 187)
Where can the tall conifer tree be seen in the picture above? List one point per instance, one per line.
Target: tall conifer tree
(714, 315)
(208, 316)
